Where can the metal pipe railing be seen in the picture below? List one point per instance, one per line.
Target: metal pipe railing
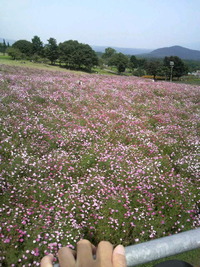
(162, 247)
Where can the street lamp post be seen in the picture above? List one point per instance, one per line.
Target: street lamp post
(171, 65)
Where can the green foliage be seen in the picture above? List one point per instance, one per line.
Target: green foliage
(133, 63)
(141, 62)
(138, 72)
(25, 47)
(121, 67)
(158, 68)
(163, 71)
(192, 65)
(36, 58)
(37, 46)
(153, 67)
(120, 61)
(51, 50)
(3, 47)
(137, 66)
(67, 50)
(86, 57)
(77, 55)
(179, 68)
(109, 52)
(14, 53)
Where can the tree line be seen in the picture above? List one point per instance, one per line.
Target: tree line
(71, 54)
(4, 46)
(74, 55)
(142, 66)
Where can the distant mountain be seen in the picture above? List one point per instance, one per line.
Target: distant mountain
(126, 51)
(179, 51)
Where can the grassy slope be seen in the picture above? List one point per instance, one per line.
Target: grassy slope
(4, 59)
(26, 63)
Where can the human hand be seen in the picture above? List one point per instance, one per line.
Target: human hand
(105, 256)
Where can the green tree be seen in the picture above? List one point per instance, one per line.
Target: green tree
(86, 57)
(1, 47)
(109, 52)
(152, 67)
(37, 46)
(67, 52)
(101, 62)
(141, 62)
(137, 65)
(24, 46)
(139, 72)
(77, 55)
(14, 53)
(4, 46)
(120, 61)
(179, 68)
(51, 50)
(133, 63)
(163, 71)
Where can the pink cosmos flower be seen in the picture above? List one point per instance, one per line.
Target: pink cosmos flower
(7, 240)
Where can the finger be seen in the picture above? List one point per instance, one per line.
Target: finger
(104, 254)
(47, 261)
(119, 259)
(66, 257)
(84, 253)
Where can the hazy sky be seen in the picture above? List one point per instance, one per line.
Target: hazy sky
(121, 23)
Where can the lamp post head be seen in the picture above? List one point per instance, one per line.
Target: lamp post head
(171, 63)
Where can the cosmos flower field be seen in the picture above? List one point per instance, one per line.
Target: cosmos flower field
(96, 157)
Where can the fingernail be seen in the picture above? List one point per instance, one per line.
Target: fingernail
(120, 250)
(51, 255)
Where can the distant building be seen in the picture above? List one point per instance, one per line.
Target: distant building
(196, 73)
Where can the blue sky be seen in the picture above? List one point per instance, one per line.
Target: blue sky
(121, 23)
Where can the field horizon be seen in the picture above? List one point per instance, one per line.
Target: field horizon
(94, 156)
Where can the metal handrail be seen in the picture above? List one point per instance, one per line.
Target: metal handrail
(162, 247)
